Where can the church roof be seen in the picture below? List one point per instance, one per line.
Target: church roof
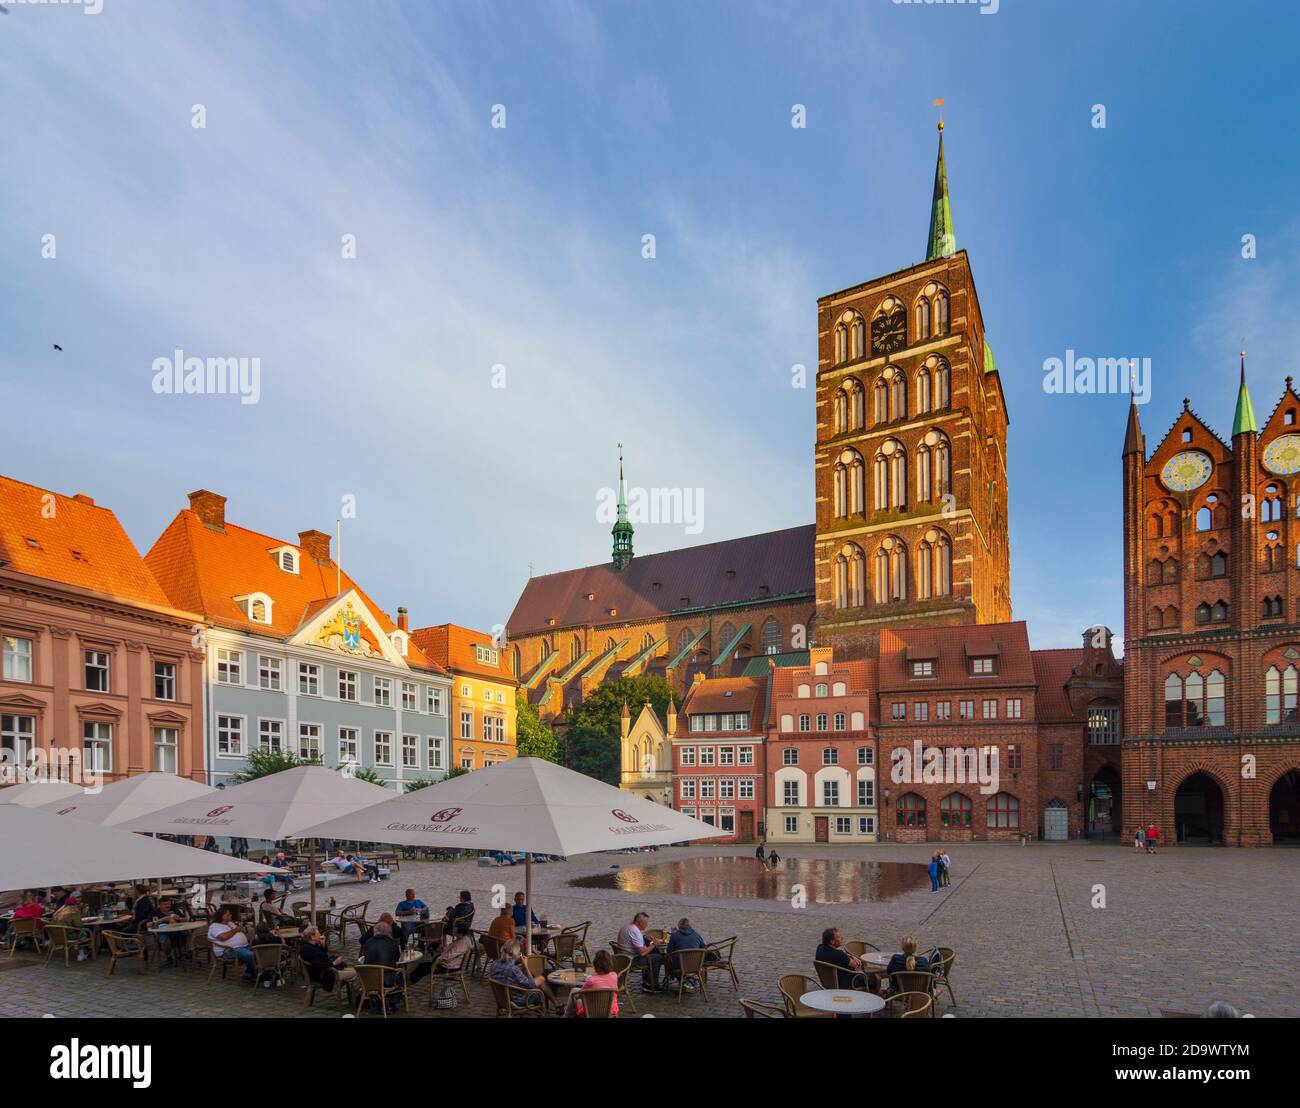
(1243, 422)
(942, 240)
(751, 569)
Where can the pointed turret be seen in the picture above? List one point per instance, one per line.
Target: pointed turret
(622, 530)
(943, 241)
(1133, 435)
(1244, 421)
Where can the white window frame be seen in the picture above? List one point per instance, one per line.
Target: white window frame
(233, 728)
(383, 742)
(264, 736)
(347, 685)
(230, 666)
(15, 656)
(106, 668)
(349, 737)
(270, 673)
(309, 739)
(162, 744)
(410, 751)
(308, 679)
(97, 737)
(383, 692)
(168, 679)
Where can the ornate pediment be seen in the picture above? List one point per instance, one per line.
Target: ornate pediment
(20, 703)
(346, 625)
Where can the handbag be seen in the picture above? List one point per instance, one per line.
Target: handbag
(447, 998)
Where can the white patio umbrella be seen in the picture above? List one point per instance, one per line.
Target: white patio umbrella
(43, 850)
(523, 804)
(35, 794)
(129, 798)
(278, 806)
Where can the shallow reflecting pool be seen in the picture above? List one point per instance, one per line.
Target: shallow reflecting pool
(824, 881)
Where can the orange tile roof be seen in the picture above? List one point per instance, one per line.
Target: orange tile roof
(75, 542)
(950, 647)
(452, 647)
(726, 694)
(203, 569)
(858, 674)
(1054, 668)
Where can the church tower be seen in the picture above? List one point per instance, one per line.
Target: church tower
(622, 530)
(910, 457)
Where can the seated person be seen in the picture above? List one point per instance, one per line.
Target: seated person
(143, 911)
(520, 913)
(369, 870)
(322, 968)
(263, 935)
(229, 941)
(59, 896)
(601, 977)
(30, 908)
(511, 969)
(281, 862)
(271, 912)
(503, 927)
(411, 905)
(450, 958)
(849, 974)
(394, 929)
(684, 938)
(380, 948)
(341, 862)
(462, 908)
(168, 911)
(645, 951)
(908, 960)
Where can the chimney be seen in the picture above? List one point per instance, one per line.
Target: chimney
(403, 620)
(210, 507)
(316, 544)
(82, 498)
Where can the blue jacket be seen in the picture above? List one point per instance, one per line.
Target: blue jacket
(934, 868)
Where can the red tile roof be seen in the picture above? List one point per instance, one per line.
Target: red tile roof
(858, 675)
(655, 584)
(203, 568)
(1053, 668)
(726, 694)
(73, 541)
(951, 647)
(452, 647)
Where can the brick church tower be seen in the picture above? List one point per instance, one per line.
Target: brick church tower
(1211, 748)
(910, 458)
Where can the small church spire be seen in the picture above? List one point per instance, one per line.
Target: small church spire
(622, 531)
(943, 241)
(1133, 434)
(1244, 420)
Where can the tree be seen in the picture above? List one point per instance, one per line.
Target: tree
(419, 783)
(533, 739)
(455, 771)
(591, 741)
(364, 774)
(262, 762)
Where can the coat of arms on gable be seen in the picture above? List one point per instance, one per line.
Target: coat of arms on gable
(343, 632)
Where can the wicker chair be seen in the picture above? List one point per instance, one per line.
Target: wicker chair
(339, 988)
(200, 948)
(793, 986)
(944, 970)
(907, 1005)
(268, 962)
(533, 1002)
(659, 934)
(622, 963)
(373, 984)
(353, 913)
(564, 948)
(24, 931)
(913, 981)
(598, 1004)
(829, 975)
(62, 937)
(690, 963)
(430, 935)
(859, 947)
(758, 1010)
(124, 946)
(487, 949)
(579, 932)
(451, 977)
(724, 958)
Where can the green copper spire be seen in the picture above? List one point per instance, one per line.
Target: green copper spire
(1244, 420)
(942, 239)
(622, 528)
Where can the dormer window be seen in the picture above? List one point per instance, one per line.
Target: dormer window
(256, 607)
(399, 642)
(981, 667)
(487, 656)
(286, 557)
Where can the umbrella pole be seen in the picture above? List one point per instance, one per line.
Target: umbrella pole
(528, 903)
(311, 878)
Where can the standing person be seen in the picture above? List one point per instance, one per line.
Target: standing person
(1153, 838)
(773, 859)
(946, 863)
(1139, 839)
(762, 861)
(933, 870)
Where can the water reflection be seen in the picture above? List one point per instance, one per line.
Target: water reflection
(824, 881)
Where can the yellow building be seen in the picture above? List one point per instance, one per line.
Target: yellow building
(646, 754)
(482, 726)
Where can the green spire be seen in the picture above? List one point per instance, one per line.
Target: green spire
(622, 531)
(942, 239)
(1244, 420)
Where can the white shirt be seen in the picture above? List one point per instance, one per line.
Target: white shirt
(237, 939)
(632, 939)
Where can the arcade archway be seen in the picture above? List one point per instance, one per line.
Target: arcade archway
(1105, 814)
(1284, 808)
(1199, 810)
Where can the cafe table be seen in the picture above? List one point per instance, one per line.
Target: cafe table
(96, 925)
(843, 1002)
(183, 927)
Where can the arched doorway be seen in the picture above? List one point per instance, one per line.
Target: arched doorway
(1284, 808)
(1105, 816)
(1198, 810)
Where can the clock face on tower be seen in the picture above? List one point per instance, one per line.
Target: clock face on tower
(1186, 471)
(1282, 455)
(889, 332)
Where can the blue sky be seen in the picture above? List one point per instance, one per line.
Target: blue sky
(521, 247)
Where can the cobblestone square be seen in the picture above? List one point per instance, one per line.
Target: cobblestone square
(1178, 931)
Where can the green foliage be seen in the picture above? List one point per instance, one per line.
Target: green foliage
(591, 741)
(533, 739)
(419, 783)
(456, 771)
(262, 763)
(363, 774)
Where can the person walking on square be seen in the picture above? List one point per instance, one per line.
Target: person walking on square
(1139, 839)
(1153, 838)
(933, 869)
(945, 863)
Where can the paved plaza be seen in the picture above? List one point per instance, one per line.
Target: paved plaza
(1178, 931)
